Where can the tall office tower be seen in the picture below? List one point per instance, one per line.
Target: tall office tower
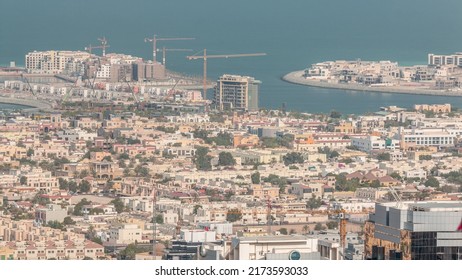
(236, 92)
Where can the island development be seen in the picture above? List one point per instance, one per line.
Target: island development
(441, 76)
(123, 159)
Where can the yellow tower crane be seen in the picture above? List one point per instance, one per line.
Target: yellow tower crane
(205, 57)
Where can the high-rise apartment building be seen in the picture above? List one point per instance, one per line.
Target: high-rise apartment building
(236, 92)
(55, 62)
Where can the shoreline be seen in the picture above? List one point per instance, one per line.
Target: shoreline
(295, 77)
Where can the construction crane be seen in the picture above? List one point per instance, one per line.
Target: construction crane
(342, 227)
(104, 44)
(27, 81)
(69, 93)
(205, 57)
(164, 50)
(90, 48)
(154, 40)
(269, 219)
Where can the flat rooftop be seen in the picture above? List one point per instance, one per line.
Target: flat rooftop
(437, 206)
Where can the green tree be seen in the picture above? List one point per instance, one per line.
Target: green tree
(68, 221)
(395, 175)
(293, 158)
(63, 184)
(55, 225)
(97, 240)
(375, 184)
(222, 139)
(202, 159)
(23, 180)
(319, 226)
(73, 187)
(196, 207)
(96, 211)
(384, 157)
(79, 206)
(124, 156)
(118, 204)
(226, 159)
(233, 215)
(159, 219)
(107, 158)
(432, 182)
(425, 157)
(332, 225)
(346, 160)
(269, 143)
(314, 202)
(84, 186)
(283, 231)
(255, 178)
(129, 252)
(141, 171)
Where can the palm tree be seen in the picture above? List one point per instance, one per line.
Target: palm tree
(306, 228)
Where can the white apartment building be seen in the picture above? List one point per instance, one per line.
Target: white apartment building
(372, 143)
(439, 60)
(439, 137)
(76, 134)
(104, 72)
(197, 235)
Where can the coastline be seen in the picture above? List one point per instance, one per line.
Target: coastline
(296, 78)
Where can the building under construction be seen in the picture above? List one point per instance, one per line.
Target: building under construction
(236, 92)
(424, 230)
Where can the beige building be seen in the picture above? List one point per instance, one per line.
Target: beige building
(125, 234)
(42, 181)
(435, 108)
(59, 250)
(265, 192)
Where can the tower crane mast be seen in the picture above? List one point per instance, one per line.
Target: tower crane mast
(164, 51)
(154, 41)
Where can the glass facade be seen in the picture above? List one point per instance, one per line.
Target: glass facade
(424, 247)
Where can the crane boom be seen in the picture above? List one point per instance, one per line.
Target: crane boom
(165, 50)
(90, 48)
(224, 55)
(205, 57)
(154, 40)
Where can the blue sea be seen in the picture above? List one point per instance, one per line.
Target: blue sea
(293, 33)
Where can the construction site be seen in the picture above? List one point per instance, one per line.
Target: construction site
(109, 77)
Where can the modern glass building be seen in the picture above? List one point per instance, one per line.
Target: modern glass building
(424, 230)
